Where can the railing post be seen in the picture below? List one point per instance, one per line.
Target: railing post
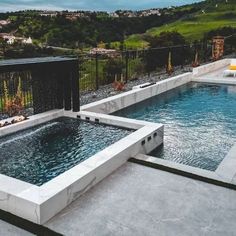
(59, 92)
(67, 92)
(97, 75)
(75, 87)
(40, 95)
(183, 58)
(205, 50)
(195, 50)
(126, 66)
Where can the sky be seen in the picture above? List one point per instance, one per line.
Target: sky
(96, 5)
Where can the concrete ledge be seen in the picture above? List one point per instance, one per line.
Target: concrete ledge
(201, 70)
(184, 170)
(227, 168)
(118, 102)
(112, 120)
(32, 121)
(228, 81)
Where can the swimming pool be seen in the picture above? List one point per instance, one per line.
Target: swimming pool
(39, 154)
(199, 122)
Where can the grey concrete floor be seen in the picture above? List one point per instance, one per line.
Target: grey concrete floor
(138, 200)
(10, 230)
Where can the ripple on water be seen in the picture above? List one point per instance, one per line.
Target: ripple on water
(200, 123)
(39, 154)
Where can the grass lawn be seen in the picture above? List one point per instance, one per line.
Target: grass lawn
(193, 27)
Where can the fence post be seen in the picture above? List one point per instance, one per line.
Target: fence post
(195, 51)
(126, 66)
(183, 56)
(205, 50)
(97, 77)
(75, 87)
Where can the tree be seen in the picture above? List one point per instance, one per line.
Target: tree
(3, 45)
(166, 39)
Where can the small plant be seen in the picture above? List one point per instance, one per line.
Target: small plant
(169, 68)
(6, 95)
(196, 60)
(118, 85)
(13, 106)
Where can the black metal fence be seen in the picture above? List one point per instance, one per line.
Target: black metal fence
(41, 84)
(15, 91)
(96, 70)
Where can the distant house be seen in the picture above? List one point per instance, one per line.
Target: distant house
(27, 41)
(104, 52)
(151, 12)
(114, 15)
(11, 39)
(48, 13)
(74, 15)
(2, 35)
(4, 22)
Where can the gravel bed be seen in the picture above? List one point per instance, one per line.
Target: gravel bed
(107, 90)
(27, 112)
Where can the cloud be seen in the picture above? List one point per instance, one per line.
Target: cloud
(104, 5)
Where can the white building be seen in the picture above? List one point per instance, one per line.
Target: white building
(10, 39)
(114, 15)
(4, 22)
(27, 41)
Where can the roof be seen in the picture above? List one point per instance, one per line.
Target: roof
(6, 65)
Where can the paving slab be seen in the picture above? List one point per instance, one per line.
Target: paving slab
(138, 200)
(11, 230)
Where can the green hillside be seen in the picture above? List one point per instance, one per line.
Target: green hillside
(212, 14)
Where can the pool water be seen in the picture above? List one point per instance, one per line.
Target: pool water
(39, 154)
(199, 123)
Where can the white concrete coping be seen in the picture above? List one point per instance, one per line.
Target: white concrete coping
(227, 168)
(141, 85)
(113, 120)
(220, 175)
(211, 80)
(230, 72)
(233, 62)
(32, 121)
(123, 100)
(178, 166)
(207, 68)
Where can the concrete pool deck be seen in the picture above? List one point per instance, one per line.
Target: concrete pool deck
(138, 200)
(10, 230)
